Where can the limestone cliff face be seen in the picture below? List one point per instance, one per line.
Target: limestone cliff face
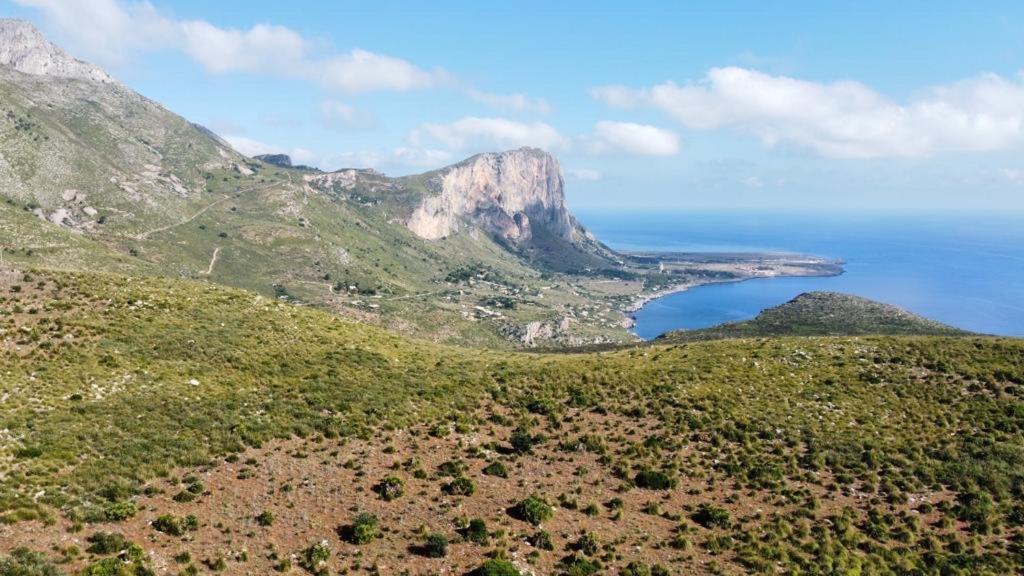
(25, 49)
(506, 194)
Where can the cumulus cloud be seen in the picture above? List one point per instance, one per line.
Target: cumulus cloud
(510, 102)
(585, 174)
(109, 29)
(106, 29)
(489, 133)
(629, 138)
(843, 119)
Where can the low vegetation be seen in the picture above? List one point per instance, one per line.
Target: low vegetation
(159, 423)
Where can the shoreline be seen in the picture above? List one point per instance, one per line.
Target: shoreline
(642, 300)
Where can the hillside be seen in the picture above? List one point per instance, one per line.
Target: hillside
(822, 314)
(485, 252)
(191, 428)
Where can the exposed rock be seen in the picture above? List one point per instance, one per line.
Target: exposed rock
(506, 194)
(25, 49)
(282, 160)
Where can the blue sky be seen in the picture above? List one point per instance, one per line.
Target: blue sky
(782, 106)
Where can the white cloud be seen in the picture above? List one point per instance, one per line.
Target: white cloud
(1013, 176)
(585, 174)
(252, 147)
(343, 116)
(489, 133)
(262, 48)
(399, 159)
(629, 138)
(362, 71)
(107, 30)
(510, 102)
(843, 119)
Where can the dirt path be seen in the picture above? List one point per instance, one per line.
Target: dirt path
(213, 261)
(146, 235)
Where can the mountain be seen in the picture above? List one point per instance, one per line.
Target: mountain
(484, 252)
(25, 49)
(822, 314)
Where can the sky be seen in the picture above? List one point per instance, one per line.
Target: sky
(761, 106)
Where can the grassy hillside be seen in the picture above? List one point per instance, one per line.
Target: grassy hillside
(822, 314)
(123, 403)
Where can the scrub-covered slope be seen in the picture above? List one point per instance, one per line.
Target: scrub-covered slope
(124, 401)
(823, 314)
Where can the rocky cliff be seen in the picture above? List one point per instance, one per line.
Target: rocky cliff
(25, 49)
(506, 194)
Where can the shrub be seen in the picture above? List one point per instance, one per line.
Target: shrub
(435, 546)
(106, 543)
(314, 559)
(363, 529)
(587, 544)
(460, 486)
(25, 562)
(496, 567)
(521, 440)
(533, 510)
(119, 511)
(265, 518)
(576, 565)
(541, 540)
(476, 531)
(654, 480)
(636, 569)
(390, 488)
(174, 525)
(496, 468)
(710, 516)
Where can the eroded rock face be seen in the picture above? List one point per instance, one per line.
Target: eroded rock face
(25, 49)
(506, 194)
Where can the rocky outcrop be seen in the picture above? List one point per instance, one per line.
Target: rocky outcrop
(506, 194)
(25, 49)
(282, 160)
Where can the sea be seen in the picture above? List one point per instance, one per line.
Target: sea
(965, 270)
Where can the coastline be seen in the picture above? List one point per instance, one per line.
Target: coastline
(785, 267)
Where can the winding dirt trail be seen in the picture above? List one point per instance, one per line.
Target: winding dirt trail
(147, 234)
(213, 261)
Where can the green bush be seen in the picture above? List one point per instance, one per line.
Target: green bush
(363, 530)
(119, 511)
(265, 518)
(314, 559)
(174, 525)
(496, 468)
(521, 440)
(25, 562)
(654, 480)
(710, 516)
(496, 567)
(435, 546)
(533, 509)
(541, 540)
(390, 488)
(103, 543)
(476, 531)
(460, 486)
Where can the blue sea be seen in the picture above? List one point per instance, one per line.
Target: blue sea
(965, 270)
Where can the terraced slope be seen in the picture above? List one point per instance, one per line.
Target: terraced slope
(215, 429)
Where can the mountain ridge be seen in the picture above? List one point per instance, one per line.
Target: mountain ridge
(24, 48)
